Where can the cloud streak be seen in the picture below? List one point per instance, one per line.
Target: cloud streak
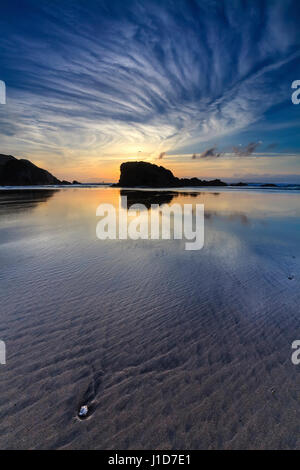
(247, 150)
(211, 153)
(155, 75)
(161, 155)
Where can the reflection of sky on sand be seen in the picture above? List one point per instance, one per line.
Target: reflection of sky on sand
(195, 339)
(235, 222)
(71, 212)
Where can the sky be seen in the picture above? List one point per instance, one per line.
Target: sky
(202, 87)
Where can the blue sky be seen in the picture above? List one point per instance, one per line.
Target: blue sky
(93, 83)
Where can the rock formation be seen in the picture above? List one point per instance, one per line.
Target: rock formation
(14, 172)
(144, 174)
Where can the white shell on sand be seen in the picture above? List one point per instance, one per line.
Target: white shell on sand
(83, 411)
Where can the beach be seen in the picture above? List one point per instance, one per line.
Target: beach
(170, 349)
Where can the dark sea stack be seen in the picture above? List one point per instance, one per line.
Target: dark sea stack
(189, 182)
(143, 174)
(239, 184)
(14, 172)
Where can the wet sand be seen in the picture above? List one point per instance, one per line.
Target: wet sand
(169, 349)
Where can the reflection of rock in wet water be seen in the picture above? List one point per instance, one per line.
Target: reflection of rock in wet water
(146, 197)
(19, 199)
(189, 194)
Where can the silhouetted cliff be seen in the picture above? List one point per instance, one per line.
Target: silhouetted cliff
(135, 174)
(14, 172)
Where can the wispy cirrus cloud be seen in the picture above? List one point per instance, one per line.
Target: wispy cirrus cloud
(123, 76)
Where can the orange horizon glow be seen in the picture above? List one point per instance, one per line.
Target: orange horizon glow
(107, 169)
